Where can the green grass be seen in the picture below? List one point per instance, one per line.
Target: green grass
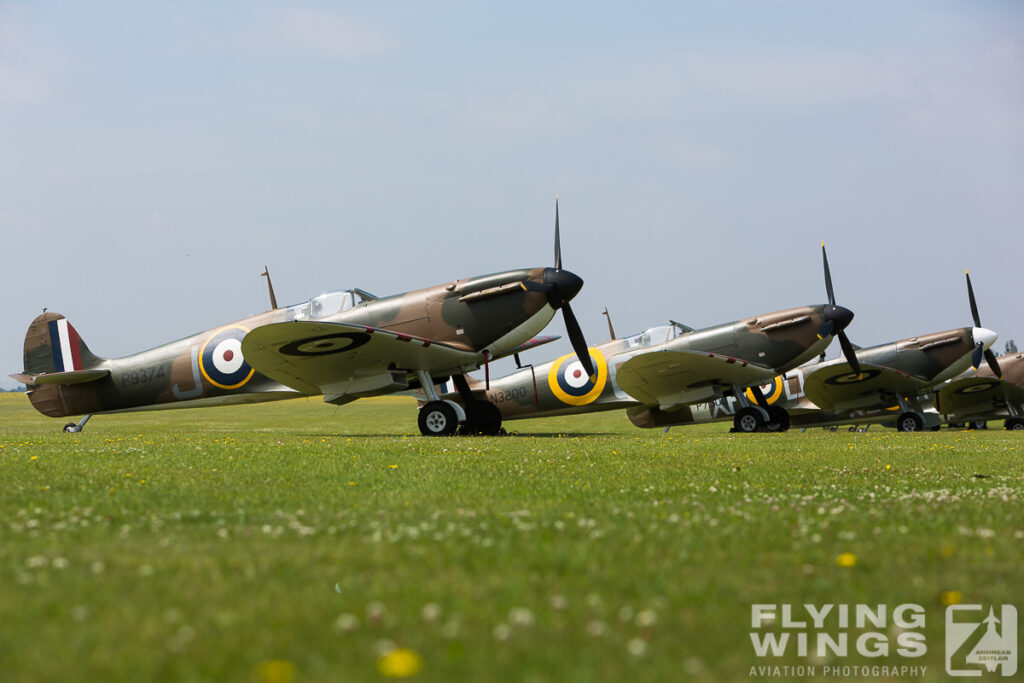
(203, 544)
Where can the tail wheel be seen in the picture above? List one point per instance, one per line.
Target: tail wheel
(748, 420)
(909, 422)
(70, 427)
(778, 419)
(1014, 423)
(437, 418)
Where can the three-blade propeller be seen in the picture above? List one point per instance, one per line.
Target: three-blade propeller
(837, 318)
(979, 349)
(560, 286)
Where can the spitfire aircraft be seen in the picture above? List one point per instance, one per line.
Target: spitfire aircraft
(666, 368)
(987, 395)
(343, 345)
(892, 385)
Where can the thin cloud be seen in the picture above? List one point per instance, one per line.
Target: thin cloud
(26, 68)
(317, 32)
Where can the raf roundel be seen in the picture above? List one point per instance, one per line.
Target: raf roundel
(570, 383)
(221, 360)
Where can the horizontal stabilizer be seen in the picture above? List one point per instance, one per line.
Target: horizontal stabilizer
(73, 377)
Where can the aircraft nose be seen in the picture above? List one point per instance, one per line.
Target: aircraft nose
(984, 336)
(565, 285)
(840, 315)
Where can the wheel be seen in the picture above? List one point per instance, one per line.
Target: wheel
(483, 418)
(909, 422)
(1014, 423)
(978, 424)
(70, 427)
(778, 419)
(437, 418)
(748, 420)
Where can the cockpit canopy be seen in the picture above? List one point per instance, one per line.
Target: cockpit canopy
(329, 304)
(656, 335)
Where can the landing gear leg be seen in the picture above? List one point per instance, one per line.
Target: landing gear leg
(74, 428)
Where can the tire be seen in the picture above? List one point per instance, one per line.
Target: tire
(909, 422)
(437, 418)
(748, 420)
(778, 419)
(1014, 424)
(483, 418)
(978, 424)
(70, 427)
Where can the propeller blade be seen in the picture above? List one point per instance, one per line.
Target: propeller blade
(976, 355)
(828, 278)
(848, 351)
(827, 328)
(558, 241)
(990, 358)
(579, 344)
(759, 396)
(974, 304)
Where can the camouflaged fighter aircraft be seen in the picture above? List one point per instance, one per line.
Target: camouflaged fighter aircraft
(899, 376)
(344, 345)
(668, 367)
(987, 395)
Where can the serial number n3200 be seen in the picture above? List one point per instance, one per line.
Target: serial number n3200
(510, 395)
(142, 375)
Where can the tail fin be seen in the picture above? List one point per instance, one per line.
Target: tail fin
(53, 345)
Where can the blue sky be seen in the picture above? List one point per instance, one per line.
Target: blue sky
(154, 158)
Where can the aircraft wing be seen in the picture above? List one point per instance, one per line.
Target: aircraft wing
(342, 360)
(977, 395)
(838, 387)
(668, 378)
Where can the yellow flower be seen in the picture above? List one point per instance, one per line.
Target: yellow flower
(951, 598)
(276, 671)
(846, 560)
(393, 467)
(400, 663)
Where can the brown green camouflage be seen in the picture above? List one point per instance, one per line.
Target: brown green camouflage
(487, 316)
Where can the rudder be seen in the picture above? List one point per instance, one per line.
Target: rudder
(52, 344)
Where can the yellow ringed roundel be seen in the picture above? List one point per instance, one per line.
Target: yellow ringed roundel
(771, 395)
(221, 360)
(569, 382)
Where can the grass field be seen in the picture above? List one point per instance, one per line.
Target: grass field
(301, 542)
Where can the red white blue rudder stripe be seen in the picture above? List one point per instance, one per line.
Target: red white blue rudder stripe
(66, 346)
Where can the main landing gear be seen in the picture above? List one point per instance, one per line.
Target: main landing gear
(909, 421)
(1014, 423)
(442, 418)
(758, 418)
(75, 427)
